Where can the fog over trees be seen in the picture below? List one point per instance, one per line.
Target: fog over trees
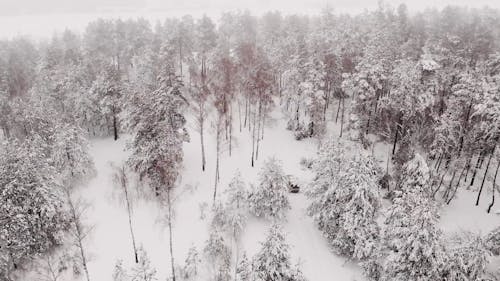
(398, 113)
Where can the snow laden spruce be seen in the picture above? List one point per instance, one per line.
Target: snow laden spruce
(345, 199)
(269, 198)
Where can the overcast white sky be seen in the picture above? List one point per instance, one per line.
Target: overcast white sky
(40, 18)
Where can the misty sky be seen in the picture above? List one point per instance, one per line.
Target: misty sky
(43, 17)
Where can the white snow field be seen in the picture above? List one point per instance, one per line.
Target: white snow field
(110, 238)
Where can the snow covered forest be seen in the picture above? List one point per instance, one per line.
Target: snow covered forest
(277, 147)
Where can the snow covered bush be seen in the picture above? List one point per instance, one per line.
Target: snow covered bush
(345, 202)
(304, 131)
(273, 260)
(269, 199)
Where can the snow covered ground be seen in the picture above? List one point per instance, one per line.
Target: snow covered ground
(110, 238)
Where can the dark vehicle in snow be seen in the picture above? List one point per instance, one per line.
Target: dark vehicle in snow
(293, 186)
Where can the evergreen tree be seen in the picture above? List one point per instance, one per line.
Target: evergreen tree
(467, 257)
(345, 203)
(244, 270)
(273, 260)
(269, 199)
(492, 241)
(219, 255)
(191, 265)
(157, 124)
(143, 271)
(33, 211)
(411, 237)
(236, 205)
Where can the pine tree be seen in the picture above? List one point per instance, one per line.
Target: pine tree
(327, 165)
(273, 260)
(243, 270)
(143, 271)
(236, 205)
(33, 209)
(157, 124)
(415, 175)
(191, 265)
(413, 240)
(70, 154)
(119, 272)
(411, 237)
(269, 199)
(219, 255)
(345, 203)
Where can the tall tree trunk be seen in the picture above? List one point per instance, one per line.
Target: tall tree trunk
(253, 140)
(203, 159)
(327, 101)
(230, 129)
(263, 125)
(115, 126)
(447, 192)
(217, 144)
(439, 185)
(342, 117)
(171, 239)
(258, 130)
(476, 168)
(297, 113)
(239, 113)
(456, 185)
(396, 135)
(372, 112)
(464, 128)
(338, 110)
(484, 177)
(246, 112)
(438, 163)
(469, 160)
(493, 188)
(226, 125)
(123, 180)
(279, 87)
(78, 233)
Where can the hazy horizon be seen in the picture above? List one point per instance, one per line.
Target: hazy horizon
(39, 19)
